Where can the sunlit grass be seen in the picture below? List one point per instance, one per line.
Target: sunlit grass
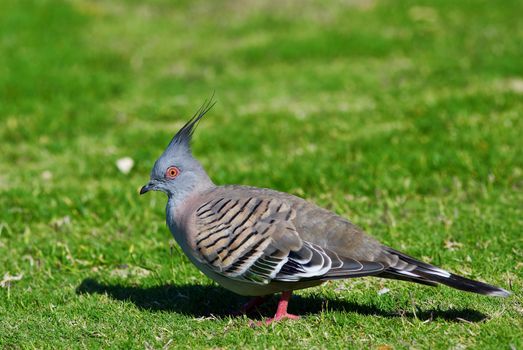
(405, 117)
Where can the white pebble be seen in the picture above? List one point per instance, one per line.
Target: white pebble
(47, 175)
(125, 164)
(383, 291)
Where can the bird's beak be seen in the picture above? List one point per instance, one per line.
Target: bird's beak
(147, 188)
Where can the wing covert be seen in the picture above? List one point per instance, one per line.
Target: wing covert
(255, 239)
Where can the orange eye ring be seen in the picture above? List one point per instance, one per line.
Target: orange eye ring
(172, 172)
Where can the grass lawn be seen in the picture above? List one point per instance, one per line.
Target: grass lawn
(404, 116)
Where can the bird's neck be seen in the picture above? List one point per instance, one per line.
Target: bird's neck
(179, 198)
(177, 208)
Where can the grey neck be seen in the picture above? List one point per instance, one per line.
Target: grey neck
(200, 184)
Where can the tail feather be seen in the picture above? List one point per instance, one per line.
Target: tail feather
(420, 272)
(397, 276)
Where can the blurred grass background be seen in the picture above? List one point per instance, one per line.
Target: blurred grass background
(405, 116)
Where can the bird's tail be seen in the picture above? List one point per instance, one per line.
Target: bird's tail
(417, 271)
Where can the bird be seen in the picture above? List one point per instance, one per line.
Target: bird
(257, 241)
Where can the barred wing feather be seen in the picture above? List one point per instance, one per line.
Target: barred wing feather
(255, 239)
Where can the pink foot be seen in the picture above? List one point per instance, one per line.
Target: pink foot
(280, 318)
(281, 312)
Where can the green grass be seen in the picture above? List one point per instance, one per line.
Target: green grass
(405, 116)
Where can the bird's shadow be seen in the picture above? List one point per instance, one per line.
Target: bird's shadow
(204, 301)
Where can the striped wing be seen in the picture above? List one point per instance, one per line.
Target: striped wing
(255, 239)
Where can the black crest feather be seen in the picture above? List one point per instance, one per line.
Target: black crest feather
(184, 135)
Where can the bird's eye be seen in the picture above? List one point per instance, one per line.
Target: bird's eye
(172, 172)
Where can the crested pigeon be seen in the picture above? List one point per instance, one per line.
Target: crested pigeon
(256, 241)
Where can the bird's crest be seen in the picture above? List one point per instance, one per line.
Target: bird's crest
(184, 135)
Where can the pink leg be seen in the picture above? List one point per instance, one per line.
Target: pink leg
(281, 312)
(250, 305)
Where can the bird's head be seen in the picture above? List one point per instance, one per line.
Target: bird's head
(177, 172)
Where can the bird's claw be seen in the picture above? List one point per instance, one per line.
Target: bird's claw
(274, 319)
